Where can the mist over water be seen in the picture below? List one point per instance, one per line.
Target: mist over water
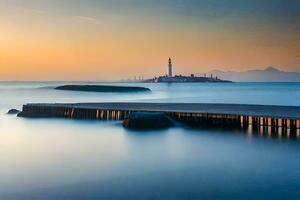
(82, 159)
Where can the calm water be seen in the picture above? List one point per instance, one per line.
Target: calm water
(74, 159)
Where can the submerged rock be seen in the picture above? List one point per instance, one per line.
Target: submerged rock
(102, 88)
(13, 111)
(147, 120)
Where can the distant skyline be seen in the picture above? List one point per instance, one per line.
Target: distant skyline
(117, 39)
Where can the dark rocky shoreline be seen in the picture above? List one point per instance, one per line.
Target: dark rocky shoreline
(13, 112)
(102, 88)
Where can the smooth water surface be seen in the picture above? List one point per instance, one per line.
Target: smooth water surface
(81, 159)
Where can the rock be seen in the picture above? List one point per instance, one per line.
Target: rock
(147, 120)
(13, 111)
(102, 88)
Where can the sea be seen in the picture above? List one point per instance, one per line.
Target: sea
(46, 159)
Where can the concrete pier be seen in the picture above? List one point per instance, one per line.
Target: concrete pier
(237, 115)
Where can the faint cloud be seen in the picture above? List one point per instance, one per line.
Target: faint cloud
(86, 18)
(36, 11)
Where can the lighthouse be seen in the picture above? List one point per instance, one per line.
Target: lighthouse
(170, 68)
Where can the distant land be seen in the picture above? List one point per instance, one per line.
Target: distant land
(270, 74)
(170, 78)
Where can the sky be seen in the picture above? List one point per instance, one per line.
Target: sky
(119, 39)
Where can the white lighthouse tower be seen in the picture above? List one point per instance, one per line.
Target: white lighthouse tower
(170, 68)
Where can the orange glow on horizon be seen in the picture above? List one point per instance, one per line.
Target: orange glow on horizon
(43, 48)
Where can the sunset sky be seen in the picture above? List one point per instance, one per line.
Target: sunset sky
(116, 39)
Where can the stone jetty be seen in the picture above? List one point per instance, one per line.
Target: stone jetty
(239, 115)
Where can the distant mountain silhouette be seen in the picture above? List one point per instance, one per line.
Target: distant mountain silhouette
(269, 74)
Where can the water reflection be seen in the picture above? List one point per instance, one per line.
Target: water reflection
(250, 131)
(273, 133)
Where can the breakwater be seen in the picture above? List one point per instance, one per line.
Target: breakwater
(237, 115)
